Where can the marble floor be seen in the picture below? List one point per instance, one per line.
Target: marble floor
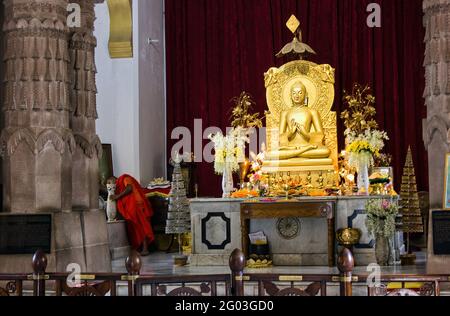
(161, 264)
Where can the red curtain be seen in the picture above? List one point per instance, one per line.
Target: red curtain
(218, 48)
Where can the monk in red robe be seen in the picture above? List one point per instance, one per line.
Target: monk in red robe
(133, 205)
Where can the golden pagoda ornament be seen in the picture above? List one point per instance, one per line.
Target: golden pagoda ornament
(296, 47)
(412, 221)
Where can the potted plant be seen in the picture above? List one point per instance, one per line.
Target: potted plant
(380, 222)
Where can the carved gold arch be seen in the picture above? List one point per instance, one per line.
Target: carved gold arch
(121, 28)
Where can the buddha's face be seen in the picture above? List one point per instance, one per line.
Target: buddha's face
(298, 94)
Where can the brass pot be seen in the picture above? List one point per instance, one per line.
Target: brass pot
(244, 169)
(180, 260)
(348, 237)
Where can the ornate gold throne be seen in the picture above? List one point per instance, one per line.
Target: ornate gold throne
(319, 82)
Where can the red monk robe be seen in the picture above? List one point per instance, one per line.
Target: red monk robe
(136, 210)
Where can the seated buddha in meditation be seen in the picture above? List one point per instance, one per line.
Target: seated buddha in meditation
(297, 139)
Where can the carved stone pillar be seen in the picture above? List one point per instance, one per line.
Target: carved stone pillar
(437, 93)
(437, 124)
(37, 143)
(83, 114)
(82, 45)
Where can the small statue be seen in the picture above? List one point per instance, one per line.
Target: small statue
(309, 180)
(320, 181)
(111, 206)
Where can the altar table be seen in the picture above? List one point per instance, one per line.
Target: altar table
(217, 229)
(290, 209)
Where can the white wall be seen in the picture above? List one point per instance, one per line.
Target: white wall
(117, 99)
(130, 99)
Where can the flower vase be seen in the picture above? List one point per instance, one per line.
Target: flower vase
(382, 250)
(363, 179)
(227, 182)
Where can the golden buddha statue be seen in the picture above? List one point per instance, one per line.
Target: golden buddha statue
(296, 123)
(301, 127)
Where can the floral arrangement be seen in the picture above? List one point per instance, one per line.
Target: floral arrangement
(240, 115)
(229, 150)
(362, 148)
(256, 176)
(361, 112)
(364, 140)
(381, 215)
(257, 163)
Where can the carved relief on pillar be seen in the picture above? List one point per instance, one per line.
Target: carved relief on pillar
(437, 124)
(92, 148)
(437, 53)
(12, 137)
(17, 9)
(36, 143)
(84, 88)
(85, 177)
(82, 44)
(436, 129)
(36, 170)
(36, 63)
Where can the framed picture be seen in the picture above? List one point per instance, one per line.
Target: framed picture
(447, 183)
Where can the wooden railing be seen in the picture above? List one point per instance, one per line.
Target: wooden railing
(195, 285)
(313, 285)
(90, 284)
(237, 283)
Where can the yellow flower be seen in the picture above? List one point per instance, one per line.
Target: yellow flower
(359, 146)
(220, 156)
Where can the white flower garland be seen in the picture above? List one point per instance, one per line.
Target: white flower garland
(229, 150)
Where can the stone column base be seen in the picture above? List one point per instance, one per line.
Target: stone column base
(119, 246)
(77, 237)
(435, 264)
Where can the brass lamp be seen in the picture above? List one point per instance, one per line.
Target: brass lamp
(244, 169)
